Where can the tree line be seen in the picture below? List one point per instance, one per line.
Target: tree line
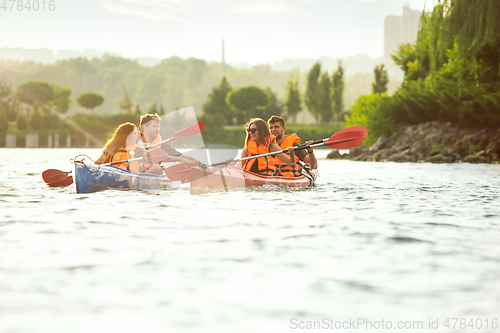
(39, 105)
(323, 98)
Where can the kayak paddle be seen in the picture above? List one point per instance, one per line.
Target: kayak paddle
(54, 176)
(187, 132)
(346, 138)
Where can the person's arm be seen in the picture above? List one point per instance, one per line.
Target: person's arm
(310, 159)
(244, 153)
(284, 157)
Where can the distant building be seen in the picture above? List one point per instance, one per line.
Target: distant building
(223, 61)
(397, 30)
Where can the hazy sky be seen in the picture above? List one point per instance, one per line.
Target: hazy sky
(255, 31)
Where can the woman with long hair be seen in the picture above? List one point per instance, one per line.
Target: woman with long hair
(120, 147)
(260, 141)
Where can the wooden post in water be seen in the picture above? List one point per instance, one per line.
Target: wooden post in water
(10, 141)
(31, 141)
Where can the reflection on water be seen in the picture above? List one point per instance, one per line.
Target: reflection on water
(372, 240)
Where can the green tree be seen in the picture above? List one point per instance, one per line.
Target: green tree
(338, 91)
(293, 101)
(21, 122)
(452, 72)
(381, 80)
(61, 99)
(406, 59)
(325, 103)
(371, 112)
(215, 109)
(32, 91)
(4, 123)
(246, 102)
(35, 121)
(50, 118)
(311, 95)
(274, 107)
(7, 100)
(90, 100)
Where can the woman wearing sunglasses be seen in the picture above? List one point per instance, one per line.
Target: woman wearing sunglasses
(260, 141)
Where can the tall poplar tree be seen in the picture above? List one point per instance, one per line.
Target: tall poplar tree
(311, 95)
(293, 102)
(7, 100)
(325, 102)
(4, 123)
(338, 91)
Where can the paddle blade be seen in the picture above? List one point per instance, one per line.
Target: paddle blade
(356, 128)
(180, 172)
(190, 131)
(66, 182)
(51, 176)
(345, 140)
(156, 156)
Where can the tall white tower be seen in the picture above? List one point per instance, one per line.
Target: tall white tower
(223, 55)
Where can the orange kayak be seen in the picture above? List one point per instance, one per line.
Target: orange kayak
(231, 176)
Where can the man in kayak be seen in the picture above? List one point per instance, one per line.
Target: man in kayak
(150, 135)
(277, 128)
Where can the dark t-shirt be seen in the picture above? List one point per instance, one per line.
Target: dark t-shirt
(301, 153)
(170, 150)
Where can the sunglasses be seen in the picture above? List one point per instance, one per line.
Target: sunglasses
(251, 130)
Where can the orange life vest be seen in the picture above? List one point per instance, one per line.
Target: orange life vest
(283, 169)
(124, 154)
(266, 163)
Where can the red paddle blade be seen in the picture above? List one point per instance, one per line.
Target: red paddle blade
(156, 156)
(190, 131)
(180, 172)
(66, 182)
(345, 140)
(51, 176)
(355, 129)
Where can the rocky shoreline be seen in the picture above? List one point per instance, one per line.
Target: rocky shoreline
(431, 142)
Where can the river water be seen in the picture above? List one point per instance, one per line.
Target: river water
(373, 243)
